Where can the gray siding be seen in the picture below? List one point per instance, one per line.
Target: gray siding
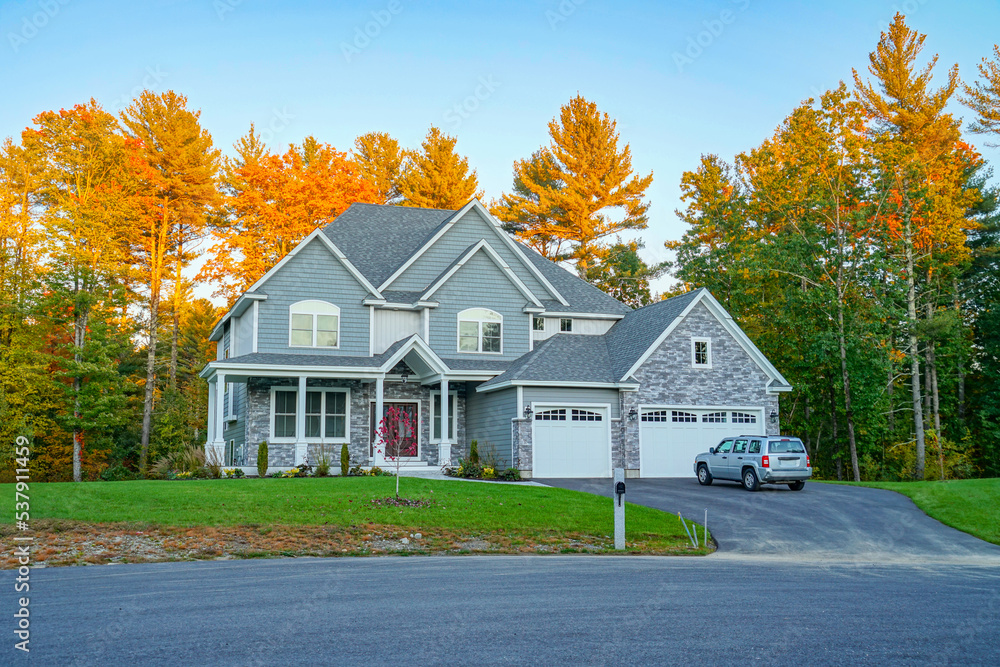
(237, 430)
(571, 395)
(314, 273)
(488, 419)
(471, 229)
(479, 284)
(243, 341)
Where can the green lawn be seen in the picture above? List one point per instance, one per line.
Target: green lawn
(464, 507)
(971, 505)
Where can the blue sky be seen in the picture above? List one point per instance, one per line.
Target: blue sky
(300, 68)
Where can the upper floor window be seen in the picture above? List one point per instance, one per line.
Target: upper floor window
(538, 324)
(566, 325)
(313, 324)
(701, 352)
(480, 330)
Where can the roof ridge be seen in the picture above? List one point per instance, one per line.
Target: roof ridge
(668, 299)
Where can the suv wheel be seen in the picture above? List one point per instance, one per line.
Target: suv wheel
(750, 481)
(796, 486)
(704, 477)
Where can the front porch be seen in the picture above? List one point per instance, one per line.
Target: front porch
(304, 412)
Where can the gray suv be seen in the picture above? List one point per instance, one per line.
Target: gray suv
(753, 460)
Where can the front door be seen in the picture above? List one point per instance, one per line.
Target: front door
(408, 446)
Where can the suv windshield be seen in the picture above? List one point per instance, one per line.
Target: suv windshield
(786, 447)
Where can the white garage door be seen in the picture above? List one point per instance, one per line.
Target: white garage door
(672, 438)
(571, 442)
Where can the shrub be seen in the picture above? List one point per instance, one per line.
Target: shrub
(345, 460)
(489, 458)
(322, 463)
(510, 475)
(234, 473)
(262, 459)
(489, 473)
(374, 471)
(303, 470)
(213, 465)
(187, 459)
(474, 451)
(117, 473)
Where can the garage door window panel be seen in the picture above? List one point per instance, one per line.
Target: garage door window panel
(744, 418)
(683, 417)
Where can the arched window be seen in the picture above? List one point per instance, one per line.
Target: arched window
(313, 324)
(480, 330)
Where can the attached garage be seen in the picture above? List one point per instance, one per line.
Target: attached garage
(571, 442)
(670, 438)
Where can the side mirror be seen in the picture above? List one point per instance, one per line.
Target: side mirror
(711, 450)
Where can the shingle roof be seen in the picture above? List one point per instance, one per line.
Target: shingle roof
(631, 336)
(379, 239)
(581, 295)
(275, 359)
(605, 358)
(562, 358)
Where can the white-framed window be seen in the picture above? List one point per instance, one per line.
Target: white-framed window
(655, 415)
(558, 415)
(537, 323)
(683, 417)
(283, 401)
(480, 330)
(586, 415)
(701, 352)
(714, 418)
(566, 325)
(744, 418)
(436, 416)
(314, 324)
(327, 414)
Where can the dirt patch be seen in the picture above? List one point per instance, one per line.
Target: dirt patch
(58, 542)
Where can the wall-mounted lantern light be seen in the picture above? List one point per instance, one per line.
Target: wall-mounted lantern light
(528, 412)
(632, 414)
(774, 416)
(404, 375)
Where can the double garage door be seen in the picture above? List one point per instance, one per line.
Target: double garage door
(671, 438)
(576, 442)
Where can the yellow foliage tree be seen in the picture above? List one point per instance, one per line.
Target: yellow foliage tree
(436, 176)
(380, 162)
(983, 97)
(579, 189)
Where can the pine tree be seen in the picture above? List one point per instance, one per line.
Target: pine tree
(983, 97)
(528, 212)
(380, 161)
(581, 188)
(624, 275)
(920, 140)
(436, 176)
(179, 188)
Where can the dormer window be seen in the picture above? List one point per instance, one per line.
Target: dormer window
(314, 324)
(480, 330)
(701, 352)
(566, 325)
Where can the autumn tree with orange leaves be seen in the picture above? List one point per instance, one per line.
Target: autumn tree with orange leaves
(271, 202)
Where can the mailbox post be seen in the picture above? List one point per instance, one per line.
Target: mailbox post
(619, 481)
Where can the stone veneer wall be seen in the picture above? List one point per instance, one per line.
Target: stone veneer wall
(667, 377)
(362, 394)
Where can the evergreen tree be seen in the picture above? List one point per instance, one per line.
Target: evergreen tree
(436, 176)
(380, 161)
(624, 275)
(579, 189)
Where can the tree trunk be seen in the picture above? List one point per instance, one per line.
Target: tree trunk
(79, 340)
(911, 316)
(961, 361)
(936, 406)
(176, 318)
(147, 404)
(846, 378)
(890, 386)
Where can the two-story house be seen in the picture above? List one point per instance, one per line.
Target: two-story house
(444, 316)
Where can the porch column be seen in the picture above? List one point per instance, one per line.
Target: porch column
(378, 458)
(300, 422)
(210, 417)
(444, 447)
(218, 427)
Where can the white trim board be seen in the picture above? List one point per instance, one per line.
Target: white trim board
(497, 259)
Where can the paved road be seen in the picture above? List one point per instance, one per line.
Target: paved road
(822, 522)
(599, 610)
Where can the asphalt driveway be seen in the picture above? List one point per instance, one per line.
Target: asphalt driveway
(822, 522)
